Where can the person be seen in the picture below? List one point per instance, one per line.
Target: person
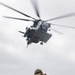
(39, 72)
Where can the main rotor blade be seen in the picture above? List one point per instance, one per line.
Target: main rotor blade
(56, 31)
(35, 5)
(16, 10)
(16, 18)
(61, 17)
(63, 26)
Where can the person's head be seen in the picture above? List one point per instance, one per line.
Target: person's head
(38, 72)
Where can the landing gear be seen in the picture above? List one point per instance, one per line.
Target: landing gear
(49, 29)
(41, 43)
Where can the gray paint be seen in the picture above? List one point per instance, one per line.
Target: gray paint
(57, 57)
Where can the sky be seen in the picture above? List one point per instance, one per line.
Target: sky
(56, 57)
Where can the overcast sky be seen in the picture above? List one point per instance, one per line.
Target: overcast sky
(56, 57)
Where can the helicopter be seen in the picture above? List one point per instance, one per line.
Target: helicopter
(38, 32)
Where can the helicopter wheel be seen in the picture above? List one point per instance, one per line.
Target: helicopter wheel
(41, 43)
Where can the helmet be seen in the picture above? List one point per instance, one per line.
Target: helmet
(38, 71)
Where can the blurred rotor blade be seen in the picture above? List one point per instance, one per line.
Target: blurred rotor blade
(56, 31)
(35, 5)
(16, 18)
(16, 10)
(61, 17)
(63, 26)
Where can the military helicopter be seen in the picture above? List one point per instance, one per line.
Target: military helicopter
(38, 32)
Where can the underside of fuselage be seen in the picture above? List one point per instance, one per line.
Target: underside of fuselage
(38, 35)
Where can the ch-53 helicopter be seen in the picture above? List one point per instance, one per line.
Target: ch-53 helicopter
(38, 31)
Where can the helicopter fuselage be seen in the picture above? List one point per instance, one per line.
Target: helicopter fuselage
(38, 33)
